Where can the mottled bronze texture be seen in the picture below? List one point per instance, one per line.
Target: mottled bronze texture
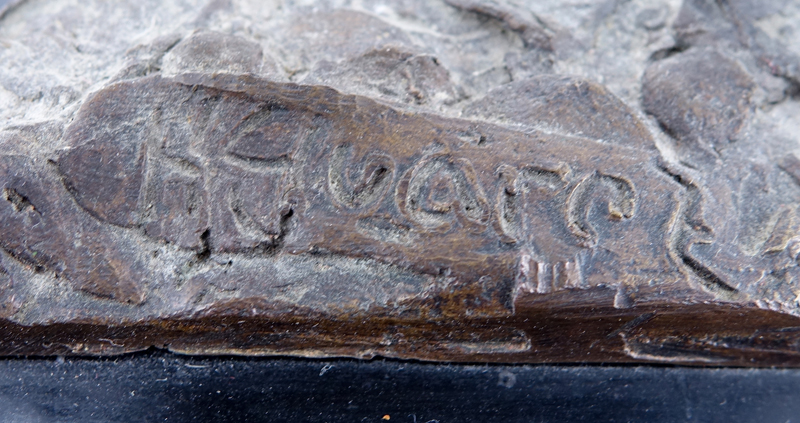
(217, 213)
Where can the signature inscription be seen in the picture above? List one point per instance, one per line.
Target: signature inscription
(238, 164)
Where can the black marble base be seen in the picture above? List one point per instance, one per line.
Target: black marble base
(158, 386)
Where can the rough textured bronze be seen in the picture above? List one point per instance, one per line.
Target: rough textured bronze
(194, 206)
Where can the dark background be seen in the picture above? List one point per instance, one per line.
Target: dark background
(159, 386)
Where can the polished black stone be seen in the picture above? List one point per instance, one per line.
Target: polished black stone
(158, 386)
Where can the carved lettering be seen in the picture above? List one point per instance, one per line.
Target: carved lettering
(440, 190)
(519, 189)
(209, 159)
(621, 203)
(232, 164)
(373, 180)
